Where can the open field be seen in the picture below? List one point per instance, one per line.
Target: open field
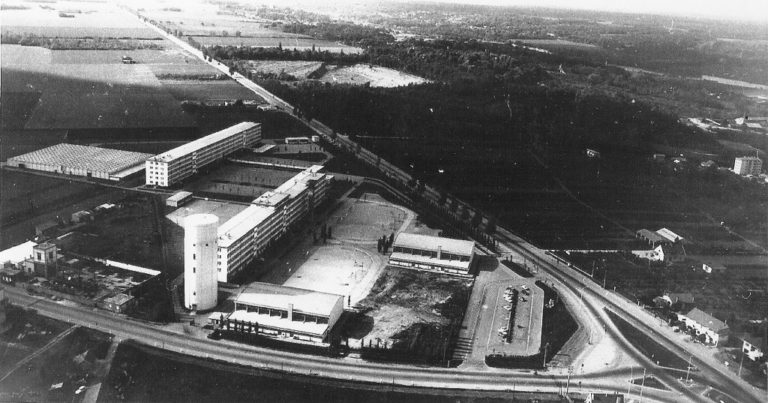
(89, 19)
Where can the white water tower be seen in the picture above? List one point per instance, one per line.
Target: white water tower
(200, 283)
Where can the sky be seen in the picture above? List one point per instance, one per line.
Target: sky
(748, 10)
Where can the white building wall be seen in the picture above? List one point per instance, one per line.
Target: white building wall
(200, 274)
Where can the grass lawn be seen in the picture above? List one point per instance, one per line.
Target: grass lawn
(650, 348)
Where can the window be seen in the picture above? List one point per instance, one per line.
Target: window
(193, 270)
(193, 257)
(39, 256)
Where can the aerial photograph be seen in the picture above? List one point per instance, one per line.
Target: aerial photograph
(568, 199)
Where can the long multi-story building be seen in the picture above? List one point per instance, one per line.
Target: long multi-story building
(748, 166)
(246, 235)
(184, 161)
(444, 255)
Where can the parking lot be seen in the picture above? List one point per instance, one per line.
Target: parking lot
(515, 328)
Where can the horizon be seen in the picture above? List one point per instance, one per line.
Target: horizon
(755, 11)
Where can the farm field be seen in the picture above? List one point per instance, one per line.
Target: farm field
(46, 89)
(89, 19)
(374, 76)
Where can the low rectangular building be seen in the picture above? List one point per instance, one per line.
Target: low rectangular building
(178, 199)
(287, 312)
(433, 253)
(79, 160)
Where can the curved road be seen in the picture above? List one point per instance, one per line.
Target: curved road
(334, 368)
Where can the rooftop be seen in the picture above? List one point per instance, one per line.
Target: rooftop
(650, 236)
(237, 226)
(668, 234)
(118, 299)
(180, 195)
(203, 142)
(270, 198)
(276, 322)
(427, 242)
(706, 320)
(278, 297)
(88, 158)
(17, 253)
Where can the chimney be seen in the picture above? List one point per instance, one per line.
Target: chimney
(290, 312)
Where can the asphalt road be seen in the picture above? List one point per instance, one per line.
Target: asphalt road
(598, 298)
(334, 368)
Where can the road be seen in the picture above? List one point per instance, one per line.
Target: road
(334, 368)
(598, 298)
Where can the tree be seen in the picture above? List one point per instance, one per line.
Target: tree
(464, 214)
(224, 33)
(490, 227)
(477, 219)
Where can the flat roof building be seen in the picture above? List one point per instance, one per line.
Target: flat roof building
(178, 199)
(287, 311)
(245, 236)
(445, 255)
(74, 159)
(747, 166)
(184, 161)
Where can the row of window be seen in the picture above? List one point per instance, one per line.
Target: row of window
(430, 253)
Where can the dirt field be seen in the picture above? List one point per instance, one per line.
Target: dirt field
(298, 69)
(403, 300)
(376, 76)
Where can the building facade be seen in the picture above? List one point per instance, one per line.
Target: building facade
(182, 162)
(748, 166)
(286, 312)
(444, 255)
(200, 276)
(713, 329)
(245, 236)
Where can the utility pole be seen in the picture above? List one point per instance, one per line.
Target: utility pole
(642, 385)
(688, 370)
(544, 363)
(568, 381)
(631, 375)
(605, 276)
